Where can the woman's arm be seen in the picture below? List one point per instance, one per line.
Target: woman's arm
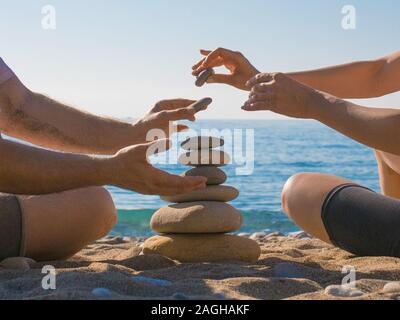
(377, 128)
(354, 80)
(374, 127)
(366, 79)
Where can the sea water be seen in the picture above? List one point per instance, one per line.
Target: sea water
(281, 149)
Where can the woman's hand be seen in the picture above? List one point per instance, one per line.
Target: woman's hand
(162, 115)
(130, 169)
(239, 67)
(281, 94)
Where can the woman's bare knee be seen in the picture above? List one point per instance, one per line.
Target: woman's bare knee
(302, 199)
(292, 191)
(303, 189)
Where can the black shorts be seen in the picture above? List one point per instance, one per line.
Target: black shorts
(362, 221)
(11, 227)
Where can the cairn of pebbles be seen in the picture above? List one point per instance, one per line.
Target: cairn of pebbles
(195, 227)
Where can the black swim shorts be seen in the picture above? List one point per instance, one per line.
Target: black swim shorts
(11, 227)
(362, 221)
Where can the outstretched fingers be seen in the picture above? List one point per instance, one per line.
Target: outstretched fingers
(180, 128)
(262, 97)
(262, 88)
(221, 78)
(213, 59)
(172, 104)
(204, 53)
(256, 106)
(155, 147)
(260, 78)
(218, 55)
(178, 114)
(170, 184)
(198, 64)
(164, 183)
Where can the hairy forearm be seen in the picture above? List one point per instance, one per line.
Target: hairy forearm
(375, 127)
(45, 122)
(354, 80)
(29, 170)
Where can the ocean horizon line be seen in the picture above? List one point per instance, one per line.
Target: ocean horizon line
(235, 119)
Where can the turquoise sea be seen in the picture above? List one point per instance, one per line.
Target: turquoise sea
(281, 149)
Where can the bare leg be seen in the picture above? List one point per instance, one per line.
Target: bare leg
(59, 225)
(302, 199)
(389, 178)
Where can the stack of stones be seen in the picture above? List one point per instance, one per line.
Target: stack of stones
(194, 228)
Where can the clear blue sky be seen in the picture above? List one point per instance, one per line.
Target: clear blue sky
(118, 57)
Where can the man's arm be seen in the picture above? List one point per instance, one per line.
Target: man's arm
(45, 122)
(42, 121)
(366, 79)
(30, 170)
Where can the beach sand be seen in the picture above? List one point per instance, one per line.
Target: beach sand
(289, 268)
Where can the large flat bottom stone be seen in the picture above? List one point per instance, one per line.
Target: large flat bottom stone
(203, 248)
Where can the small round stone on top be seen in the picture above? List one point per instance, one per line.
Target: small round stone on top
(202, 142)
(196, 158)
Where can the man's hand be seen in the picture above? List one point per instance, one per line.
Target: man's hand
(162, 115)
(281, 94)
(239, 67)
(130, 169)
